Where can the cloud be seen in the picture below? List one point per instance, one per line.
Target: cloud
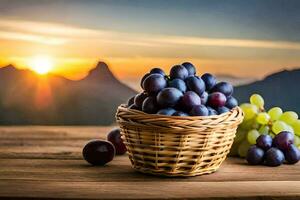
(46, 28)
(223, 42)
(42, 32)
(32, 38)
(58, 34)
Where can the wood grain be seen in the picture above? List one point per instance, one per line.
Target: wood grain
(50, 142)
(150, 190)
(119, 170)
(54, 132)
(46, 163)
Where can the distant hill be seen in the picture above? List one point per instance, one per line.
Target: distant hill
(280, 89)
(27, 98)
(234, 80)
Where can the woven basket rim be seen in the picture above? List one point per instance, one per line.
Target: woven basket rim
(157, 116)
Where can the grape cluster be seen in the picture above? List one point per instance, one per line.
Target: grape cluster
(273, 152)
(183, 93)
(258, 121)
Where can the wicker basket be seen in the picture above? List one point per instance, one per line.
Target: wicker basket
(177, 146)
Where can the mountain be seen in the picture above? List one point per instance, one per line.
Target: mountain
(27, 98)
(234, 80)
(279, 89)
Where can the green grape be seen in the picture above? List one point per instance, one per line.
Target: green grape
(264, 130)
(255, 125)
(289, 117)
(240, 135)
(252, 136)
(289, 128)
(296, 127)
(247, 125)
(263, 118)
(297, 140)
(272, 135)
(249, 110)
(278, 126)
(234, 150)
(257, 100)
(275, 113)
(243, 148)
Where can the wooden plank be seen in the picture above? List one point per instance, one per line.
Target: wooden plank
(119, 170)
(46, 162)
(63, 153)
(40, 142)
(54, 132)
(150, 190)
(42, 148)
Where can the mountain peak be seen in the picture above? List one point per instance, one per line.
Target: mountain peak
(10, 67)
(101, 73)
(284, 73)
(10, 71)
(102, 65)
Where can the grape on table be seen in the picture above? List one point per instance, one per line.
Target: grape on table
(98, 152)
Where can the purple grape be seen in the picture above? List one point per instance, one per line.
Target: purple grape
(115, 138)
(283, 140)
(157, 71)
(142, 81)
(190, 68)
(98, 152)
(189, 100)
(166, 111)
(139, 99)
(204, 98)
(180, 113)
(209, 80)
(179, 84)
(154, 83)
(179, 71)
(292, 154)
(211, 111)
(255, 155)
(231, 102)
(222, 110)
(150, 105)
(216, 99)
(130, 101)
(274, 157)
(168, 97)
(264, 142)
(224, 88)
(199, 110)
(195, 84)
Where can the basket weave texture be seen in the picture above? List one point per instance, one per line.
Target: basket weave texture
(177, 146)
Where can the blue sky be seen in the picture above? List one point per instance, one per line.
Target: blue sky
(251, 19)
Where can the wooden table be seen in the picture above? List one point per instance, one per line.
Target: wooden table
(46, 162)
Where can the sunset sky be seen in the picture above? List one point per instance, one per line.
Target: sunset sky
(243, 38)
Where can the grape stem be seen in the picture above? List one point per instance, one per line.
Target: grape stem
(262, 109)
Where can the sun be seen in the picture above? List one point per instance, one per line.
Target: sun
(41, 64)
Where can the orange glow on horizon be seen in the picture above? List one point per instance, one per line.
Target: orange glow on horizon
(131, 69)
